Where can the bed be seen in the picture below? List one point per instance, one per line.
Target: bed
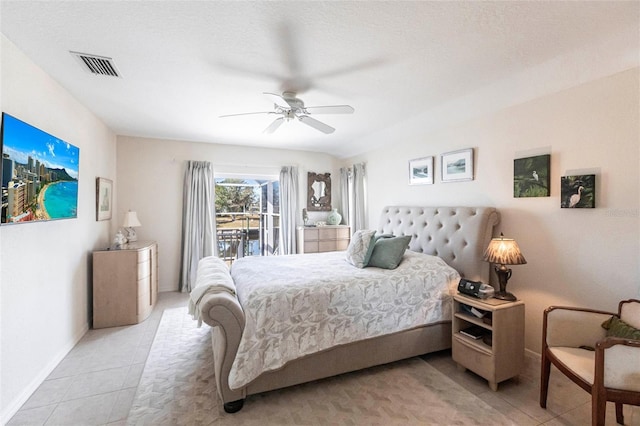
(454, 237)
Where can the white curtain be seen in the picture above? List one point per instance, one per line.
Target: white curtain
(198, 220)
(288, 209)
(359, 197)
(345, 180)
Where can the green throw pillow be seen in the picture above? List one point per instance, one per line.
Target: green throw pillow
(372, 244)
(617, 328)
(387, 252)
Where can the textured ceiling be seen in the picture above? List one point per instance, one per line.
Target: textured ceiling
(185, 63)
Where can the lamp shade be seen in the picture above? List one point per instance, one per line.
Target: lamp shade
(131, 220)
(504, 251)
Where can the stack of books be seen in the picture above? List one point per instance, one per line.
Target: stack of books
(475, 332)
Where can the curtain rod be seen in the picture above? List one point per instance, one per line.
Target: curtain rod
(255, 166)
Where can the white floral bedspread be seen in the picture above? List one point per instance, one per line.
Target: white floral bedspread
(301, 304)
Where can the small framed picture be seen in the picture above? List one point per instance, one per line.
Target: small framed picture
(104, 196)
(421, 171)
(578, 192)
(457, 165)
(531, 176)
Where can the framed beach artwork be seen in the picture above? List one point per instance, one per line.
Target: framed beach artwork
(531, 176)
(421, 171)
(104, 196)
(457, 165)
(39, 174)
(578, 192)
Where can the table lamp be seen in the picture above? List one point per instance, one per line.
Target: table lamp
(501, 252)
(131, 221)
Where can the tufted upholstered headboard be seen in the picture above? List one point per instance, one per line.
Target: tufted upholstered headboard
(459, 235)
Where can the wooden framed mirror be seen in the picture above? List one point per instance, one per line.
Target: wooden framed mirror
(318, 192)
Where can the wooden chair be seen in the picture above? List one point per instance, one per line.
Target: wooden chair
(574, 340)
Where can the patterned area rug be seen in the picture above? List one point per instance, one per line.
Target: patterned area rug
(177, 387)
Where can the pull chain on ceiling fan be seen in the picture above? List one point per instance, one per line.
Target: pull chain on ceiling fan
(290, 107)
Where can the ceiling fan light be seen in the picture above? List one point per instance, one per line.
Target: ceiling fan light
(289, 107)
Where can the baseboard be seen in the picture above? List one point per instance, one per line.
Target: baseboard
(13, 406)
(165, 289)
(531, 354)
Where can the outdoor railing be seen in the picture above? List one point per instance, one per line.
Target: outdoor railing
(243, 234)
(231, 244)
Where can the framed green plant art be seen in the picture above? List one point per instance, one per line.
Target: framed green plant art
(578, 191)
(531, 176)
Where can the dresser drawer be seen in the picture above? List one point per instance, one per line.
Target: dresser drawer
(144, 269)
(311, 246)
(144, 255)
(476, 360)
(327, 233)
(342, 244)
(343, 233)
(326, 246)
(311, 234)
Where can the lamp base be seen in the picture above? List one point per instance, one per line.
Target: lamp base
(131, 235)
(505, 295)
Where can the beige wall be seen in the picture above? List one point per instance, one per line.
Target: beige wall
(151, 175)
(585, 257)
(44, 267)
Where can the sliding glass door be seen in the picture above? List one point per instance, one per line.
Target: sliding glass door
(247, 217)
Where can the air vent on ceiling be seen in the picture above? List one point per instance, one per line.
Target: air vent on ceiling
(98, 65)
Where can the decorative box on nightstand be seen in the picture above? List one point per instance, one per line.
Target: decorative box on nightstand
(488, 337)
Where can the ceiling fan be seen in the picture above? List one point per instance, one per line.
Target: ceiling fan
(289, 107)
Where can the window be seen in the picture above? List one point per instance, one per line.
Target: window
(247, 217)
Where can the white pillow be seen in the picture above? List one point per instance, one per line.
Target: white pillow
(358, 247)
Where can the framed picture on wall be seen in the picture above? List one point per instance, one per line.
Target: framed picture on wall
(421, 171)
(531, 176)
(578, 192)
(104, 198)
(457, 165)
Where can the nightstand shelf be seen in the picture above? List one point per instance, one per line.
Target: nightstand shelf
(498, 352)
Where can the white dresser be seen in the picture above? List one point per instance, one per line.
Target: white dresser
(323, 238)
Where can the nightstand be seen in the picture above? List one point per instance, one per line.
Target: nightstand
(488, 337)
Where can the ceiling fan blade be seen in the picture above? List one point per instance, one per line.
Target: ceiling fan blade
(318, 125)
(274, 125)
(330, 109)
(246, 113)
(278, 100)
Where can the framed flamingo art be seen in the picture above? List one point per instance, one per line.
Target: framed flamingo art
(578, 191)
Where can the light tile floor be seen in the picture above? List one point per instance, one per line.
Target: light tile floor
(96, 382)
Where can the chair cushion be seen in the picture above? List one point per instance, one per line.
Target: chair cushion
(622, 368)
(617, 328)
(630, 313)
(580, 361)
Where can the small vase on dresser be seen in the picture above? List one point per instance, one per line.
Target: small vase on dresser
(334, 218)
